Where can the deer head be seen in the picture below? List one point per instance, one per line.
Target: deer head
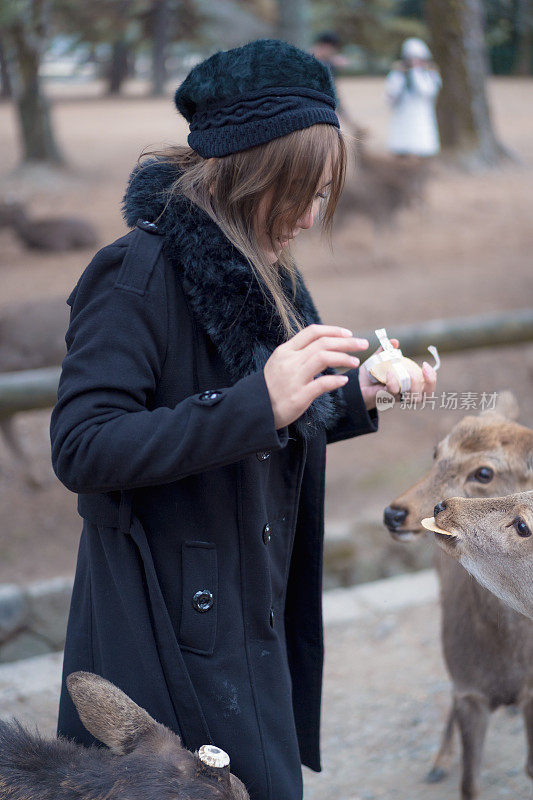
(493, 540)
(486, 455)
(126, 728)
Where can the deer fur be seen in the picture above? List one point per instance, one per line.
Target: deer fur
(493, 540)
(381, 186)
(53, 234)
(145, 760)
(487, 646)
(32, 335)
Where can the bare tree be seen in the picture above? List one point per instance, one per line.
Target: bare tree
(293, 22)
(525, 37)
(465, 125)
(115, 23)
(24, 27)
(6, 91)
(118, 66)
(160, 24)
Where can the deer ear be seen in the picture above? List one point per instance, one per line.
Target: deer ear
(109, 714)
(506, 406)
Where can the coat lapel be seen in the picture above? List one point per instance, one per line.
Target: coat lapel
(224, 293)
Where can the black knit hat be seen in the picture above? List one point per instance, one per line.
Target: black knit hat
(247, 96)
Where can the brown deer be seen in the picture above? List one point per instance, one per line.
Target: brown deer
(145, 760)
(493, 540)
(379, 188)
(32, 335)
(488, 647)
(54, 234)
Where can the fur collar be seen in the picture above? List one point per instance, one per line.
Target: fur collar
(224, 293)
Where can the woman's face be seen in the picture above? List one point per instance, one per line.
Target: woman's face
(303, 223)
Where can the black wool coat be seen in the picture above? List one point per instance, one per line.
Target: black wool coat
(198, 580)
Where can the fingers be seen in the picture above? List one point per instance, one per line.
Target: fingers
(330, 336)
(312, 332)
(421, 385)
(425, 383)
(392, 385)
(321, 359)
(330, 352)
(325, 383)
(430, 378)
(350, 344)
(394, 342)
(417, 383)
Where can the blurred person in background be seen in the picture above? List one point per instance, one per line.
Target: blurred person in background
(195, 403)
(412, 87)
(327, 48)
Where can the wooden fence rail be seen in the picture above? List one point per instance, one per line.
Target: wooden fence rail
(37, 388)
(28, 390)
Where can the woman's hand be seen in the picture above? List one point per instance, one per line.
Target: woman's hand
(420, 385)
(290, 371)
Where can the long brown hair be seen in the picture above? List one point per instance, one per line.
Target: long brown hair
(287, 169)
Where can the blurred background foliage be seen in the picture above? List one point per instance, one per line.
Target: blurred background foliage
(159, 40)
(120, 38)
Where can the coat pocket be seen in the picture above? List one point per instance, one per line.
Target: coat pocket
(199, 597)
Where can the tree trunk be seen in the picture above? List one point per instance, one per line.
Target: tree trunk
(118, 67)
(6, 90)
(465, 126)
(293, 22)
(160, 22)
(27, 35)
(524, 58)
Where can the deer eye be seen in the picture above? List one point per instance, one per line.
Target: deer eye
(520, 527)
(482, 475)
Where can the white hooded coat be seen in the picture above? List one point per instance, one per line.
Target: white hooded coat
(412, 95)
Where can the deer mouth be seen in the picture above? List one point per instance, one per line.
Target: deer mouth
(448, 539)
(407, 535)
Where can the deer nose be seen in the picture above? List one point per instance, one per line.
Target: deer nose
(439, 507)
(394, 517)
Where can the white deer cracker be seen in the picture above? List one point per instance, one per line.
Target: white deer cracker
(392, 358)
(429, 524)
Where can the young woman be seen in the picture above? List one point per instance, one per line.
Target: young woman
(194, 408)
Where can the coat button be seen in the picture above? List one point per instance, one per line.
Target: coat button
(210, 394)
(267, 533)
(272, 617)
(262, 455)
(146, 225)
(202, 600)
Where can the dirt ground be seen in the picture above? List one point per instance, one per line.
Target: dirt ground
(466, 252)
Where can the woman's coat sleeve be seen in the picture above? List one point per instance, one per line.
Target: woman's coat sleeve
(104, 435)
(356, 420)
(394, 85)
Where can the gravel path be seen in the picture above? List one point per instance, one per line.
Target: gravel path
(385, 700)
